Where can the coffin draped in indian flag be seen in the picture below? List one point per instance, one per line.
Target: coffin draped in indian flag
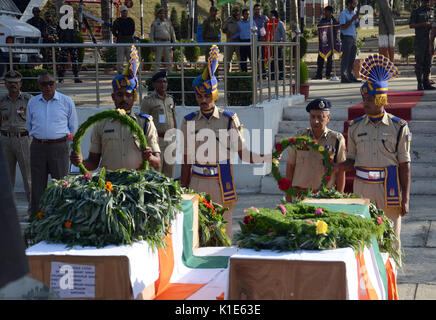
(317, 249)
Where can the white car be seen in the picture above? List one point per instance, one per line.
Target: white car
(13, 30)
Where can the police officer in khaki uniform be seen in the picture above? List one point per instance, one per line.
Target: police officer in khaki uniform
(230, 27)
(112, 144)
(379, 147)
(211, 29)
(305, 168)
(161, 107)
(206, 166)
(15, 137)
(162, 31)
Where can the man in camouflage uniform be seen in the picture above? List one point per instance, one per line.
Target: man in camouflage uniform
(420, 20)
(69, 36)
(305, 168)
(14, 135)
(51, 36)
(161, 107)
(211, 29)
(162, 31)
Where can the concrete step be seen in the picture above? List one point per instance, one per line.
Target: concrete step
(419, 185)
(423, 155)
(422, 126)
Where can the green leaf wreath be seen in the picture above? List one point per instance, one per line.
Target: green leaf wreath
(119, 115)
(211, 223)
(293, 227)
(114, 207)
(300, 143)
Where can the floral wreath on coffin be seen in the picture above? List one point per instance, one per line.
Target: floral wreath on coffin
(300, 143)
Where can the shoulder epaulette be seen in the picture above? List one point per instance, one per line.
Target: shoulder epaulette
(229, 113)
(190, 116)
(354, 121)
(400, 121)
(146, 116)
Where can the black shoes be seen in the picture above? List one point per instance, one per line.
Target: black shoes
(317, 77)
(77, 80)
(345, 80)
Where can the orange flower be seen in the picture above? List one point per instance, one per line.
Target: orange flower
(108, 186)
(68, 224)
(40, 214)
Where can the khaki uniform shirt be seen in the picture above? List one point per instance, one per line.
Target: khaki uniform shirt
(374, 145)
(162, 31)
(162, 110)
(203, 143)
(13, 113)
(309, 165)
(231, 25)
(211, 29)
(116, 145)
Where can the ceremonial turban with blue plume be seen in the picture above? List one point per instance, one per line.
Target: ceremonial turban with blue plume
(128, 78)
(376, 71)
(207, 82)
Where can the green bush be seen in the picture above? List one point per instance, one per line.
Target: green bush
(31, 85)
(192, 53)
(235, 82)
(110, 57)
(304, 72)
(406, 47)
(175, 86)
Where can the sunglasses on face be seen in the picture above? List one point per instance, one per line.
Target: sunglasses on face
(47, 83)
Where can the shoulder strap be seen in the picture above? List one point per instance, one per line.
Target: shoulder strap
(402, 124)
(354, 121)
(147, 118)
(189, 116)
(230, 115)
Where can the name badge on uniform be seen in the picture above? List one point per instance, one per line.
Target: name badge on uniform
(162, 118)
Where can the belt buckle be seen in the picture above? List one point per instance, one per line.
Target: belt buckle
(205, 170)
(374, 175)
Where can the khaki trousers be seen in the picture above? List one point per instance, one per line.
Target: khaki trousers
(164, 52)
(17, 149)
(166, 168)
(212, 187)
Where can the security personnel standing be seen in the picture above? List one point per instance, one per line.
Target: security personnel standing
(112, 144)
(162, 31)
(230, 27)
(211, 29)
(14, 135)
(161, 107)
(51, 36)
(305, 168)
(420, 20)
(379, 146)
(69, 36)
(209, 169)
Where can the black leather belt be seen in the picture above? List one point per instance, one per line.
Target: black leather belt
(51, 141)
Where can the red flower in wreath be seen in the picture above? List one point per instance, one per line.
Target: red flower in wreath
(380, 220)
(284, 184)
(279, 146)
(247, 219)
(293, 140)
(328, 178)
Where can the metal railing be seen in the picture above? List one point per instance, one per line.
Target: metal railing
(269, 83)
